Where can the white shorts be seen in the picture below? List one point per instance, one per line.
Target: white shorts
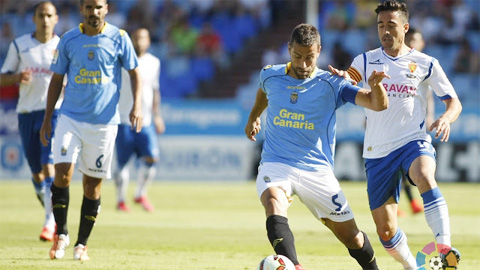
(94, 144)
(318, 190)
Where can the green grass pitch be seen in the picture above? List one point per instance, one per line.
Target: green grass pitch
(212, 225)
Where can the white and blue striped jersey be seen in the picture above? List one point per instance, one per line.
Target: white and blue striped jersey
(404, 119)
(93, 67)
(301, 118)
(26, 53)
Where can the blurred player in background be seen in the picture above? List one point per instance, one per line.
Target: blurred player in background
(396, 139)
(28, 62)
(91, 55)
(414, 39)
(145, 143)
(297, 156)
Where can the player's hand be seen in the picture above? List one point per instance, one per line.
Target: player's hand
(376, 77)
(26, 77)
(136, 119)
(441, 126)
(341, 73)
(45, 132)
(252, 129)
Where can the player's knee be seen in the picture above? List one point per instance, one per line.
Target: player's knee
(386, 232)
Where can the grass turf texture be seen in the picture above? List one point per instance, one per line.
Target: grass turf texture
(212, 225)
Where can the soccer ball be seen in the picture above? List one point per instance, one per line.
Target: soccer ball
(436, 263)
(276, 262)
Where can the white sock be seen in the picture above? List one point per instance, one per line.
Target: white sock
(146, 172)
(47, 200)
(122, 178)
(397, 247)
(436, 214)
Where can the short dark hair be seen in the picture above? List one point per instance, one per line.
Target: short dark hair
(39, 4)
(393, 5)
(82, 1)
(305, 35)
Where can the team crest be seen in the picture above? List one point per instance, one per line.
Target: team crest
(63, 151)
(91, 55)
(266, 179)
(294, 97)
(55, 56)
(412, 66)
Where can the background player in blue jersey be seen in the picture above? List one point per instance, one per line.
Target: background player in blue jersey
(28, 61)
(144, 143)
(396, 139)
(91, 56)
(298, 151)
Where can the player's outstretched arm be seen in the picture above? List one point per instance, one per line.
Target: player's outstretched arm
(136, 115)
(375, 99)
(253, 125)
(442, 124)
(54, 90)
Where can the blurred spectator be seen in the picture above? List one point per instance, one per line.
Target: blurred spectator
(209, 44)
(184, 37)
(466, 61)
(365, 15)
(115, 17)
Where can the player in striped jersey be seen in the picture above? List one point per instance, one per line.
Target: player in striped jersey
(396, 139)
(91, 56)
(297, 158)
(28, 61)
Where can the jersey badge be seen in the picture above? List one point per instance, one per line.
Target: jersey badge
(63, 152)
(294, 97)
(412, 66)
(266, 179)
(91, 55)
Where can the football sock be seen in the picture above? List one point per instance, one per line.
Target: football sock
(60, 200)
(281, 237)
(365, 256)
(48, 200)
(122, 178)
(39, 190)
(89, 212)
(436, 214)
(397, 247)
(146, 172)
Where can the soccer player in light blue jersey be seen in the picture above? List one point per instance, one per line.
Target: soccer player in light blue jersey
(91, 56)
(298, 151)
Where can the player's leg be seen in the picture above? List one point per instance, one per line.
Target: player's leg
(147, 144)
(124, 147)
(88, 214)
(32, 151)
(65, 153)
(421, 172)
(274, 191)
(393, 238)
(357, 242)
(383, 187)
(48, 171)
(97, 153)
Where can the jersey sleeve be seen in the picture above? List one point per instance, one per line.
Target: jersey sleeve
(128, 57)
(263, 75)
(60, 60)
(357, 68)
(439, 82)
(12, 60)
(156, 81)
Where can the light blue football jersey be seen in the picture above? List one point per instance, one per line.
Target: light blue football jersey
(93, 67)
(300, 128)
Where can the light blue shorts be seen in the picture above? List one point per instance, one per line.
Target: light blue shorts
(384, 174)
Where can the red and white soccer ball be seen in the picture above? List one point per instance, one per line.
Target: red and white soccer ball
(276, 262)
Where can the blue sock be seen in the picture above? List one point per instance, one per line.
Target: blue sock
(436, 214)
